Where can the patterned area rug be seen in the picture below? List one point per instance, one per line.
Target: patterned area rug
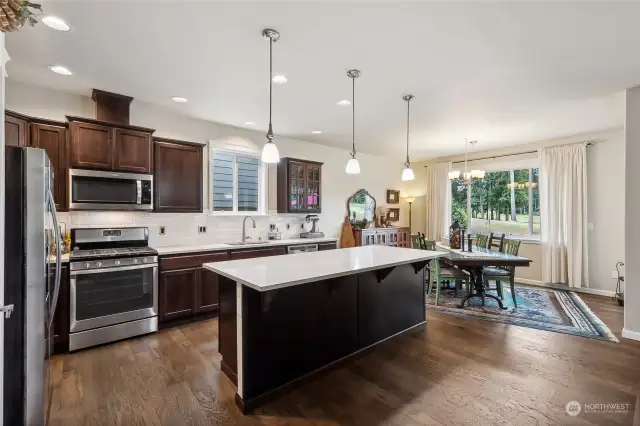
(542, 308)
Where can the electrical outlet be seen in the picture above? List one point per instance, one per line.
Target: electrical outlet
(163, 230)
(614, 275)
(288, 226)
(202, 229)
(272, 227)
(302, 226)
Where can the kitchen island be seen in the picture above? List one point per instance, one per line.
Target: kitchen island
(283, 318)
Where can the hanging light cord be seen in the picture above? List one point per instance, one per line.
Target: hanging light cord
(270, 132)
(353, 121)
(407, 163)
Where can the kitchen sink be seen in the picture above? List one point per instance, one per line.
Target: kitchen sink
(246, 243)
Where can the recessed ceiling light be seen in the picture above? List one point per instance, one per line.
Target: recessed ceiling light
(55, 23)
(249, 123)
(179, 99)
(279, 79)
(344, 102)
(59, 69)
(316, 132)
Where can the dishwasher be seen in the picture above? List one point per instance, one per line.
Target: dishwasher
(302, 248)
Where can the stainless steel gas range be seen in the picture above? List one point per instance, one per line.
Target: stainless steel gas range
(113, 285)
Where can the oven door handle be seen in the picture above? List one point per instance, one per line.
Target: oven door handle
(114, 269)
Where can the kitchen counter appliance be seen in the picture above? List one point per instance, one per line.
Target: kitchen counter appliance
(304, 248)
(113, 285)
(314, 232)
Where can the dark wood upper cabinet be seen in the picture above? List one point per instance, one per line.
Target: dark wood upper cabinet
(299, 186)
(100, 145)
(177, 176)
(91, 146)
(52, 137)
(16, 129)
(132, 151)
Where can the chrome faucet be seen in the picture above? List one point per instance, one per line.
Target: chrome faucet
(244, 231)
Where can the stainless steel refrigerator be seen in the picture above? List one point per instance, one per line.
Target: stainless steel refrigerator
(32, 282)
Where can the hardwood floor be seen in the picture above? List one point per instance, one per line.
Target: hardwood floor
(458, 372)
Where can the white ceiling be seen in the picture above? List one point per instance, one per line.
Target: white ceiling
(503, 73)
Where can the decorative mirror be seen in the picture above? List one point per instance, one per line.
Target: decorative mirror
(361, 207)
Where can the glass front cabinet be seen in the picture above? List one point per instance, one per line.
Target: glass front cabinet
(299, 186)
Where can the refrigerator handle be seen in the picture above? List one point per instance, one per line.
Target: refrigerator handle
(56, 288)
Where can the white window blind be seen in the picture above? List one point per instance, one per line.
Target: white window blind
(235, 182)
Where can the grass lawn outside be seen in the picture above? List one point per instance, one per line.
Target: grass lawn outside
(518, 227)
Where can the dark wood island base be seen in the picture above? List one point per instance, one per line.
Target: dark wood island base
(272, 340)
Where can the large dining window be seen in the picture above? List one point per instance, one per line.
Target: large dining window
(503, 202)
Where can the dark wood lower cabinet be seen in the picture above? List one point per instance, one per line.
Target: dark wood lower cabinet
(251, 253)
(327, 246)
(176, 293)
(206, 292)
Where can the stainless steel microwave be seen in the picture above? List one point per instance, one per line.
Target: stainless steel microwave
(98, 190)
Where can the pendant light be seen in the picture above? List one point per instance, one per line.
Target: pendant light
(270, 152)
(353, 167)
(476, 173)
(407, 173)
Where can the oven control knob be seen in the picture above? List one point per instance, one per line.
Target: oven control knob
(144, 260)
(117, 262)
(98, 264)
(87, 265)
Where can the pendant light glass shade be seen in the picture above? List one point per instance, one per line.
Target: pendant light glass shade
(353, 167)
(407, 174)
(270, 153)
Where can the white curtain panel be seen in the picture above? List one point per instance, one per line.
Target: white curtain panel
(437, 197)
(563, 215)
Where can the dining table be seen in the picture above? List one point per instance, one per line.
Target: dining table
(473, 263)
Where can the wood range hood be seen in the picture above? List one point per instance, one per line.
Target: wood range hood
(112, 107)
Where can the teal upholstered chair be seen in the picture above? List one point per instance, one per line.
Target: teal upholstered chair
(503, 273)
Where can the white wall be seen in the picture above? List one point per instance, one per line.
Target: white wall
(631, 208)
(606, 191)
(377, 173)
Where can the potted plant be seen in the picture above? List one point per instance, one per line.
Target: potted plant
(14, 14)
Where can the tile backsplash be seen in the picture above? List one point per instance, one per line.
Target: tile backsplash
(182, 228)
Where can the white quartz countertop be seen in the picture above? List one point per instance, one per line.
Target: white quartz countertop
(270, 273)
(224, 247)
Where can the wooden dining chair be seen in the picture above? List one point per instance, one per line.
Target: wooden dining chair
(427, 244)
(503, 273)
(416, 241)
(495, 242)
(438, 274)
(482, 240)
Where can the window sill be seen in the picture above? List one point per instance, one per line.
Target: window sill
(237, 214)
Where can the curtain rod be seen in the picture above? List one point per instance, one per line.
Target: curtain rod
(504, 155)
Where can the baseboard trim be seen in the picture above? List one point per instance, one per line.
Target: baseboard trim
(628, 334)
(587, 290)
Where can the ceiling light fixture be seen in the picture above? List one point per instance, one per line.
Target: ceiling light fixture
(344, 102)
(353, 167)
(407, 173)
(179, 99)
(59, 69)
(279, 79)
(55, 23)
(249, 123)
(467, 176)
(270, 152)
(316, 132)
